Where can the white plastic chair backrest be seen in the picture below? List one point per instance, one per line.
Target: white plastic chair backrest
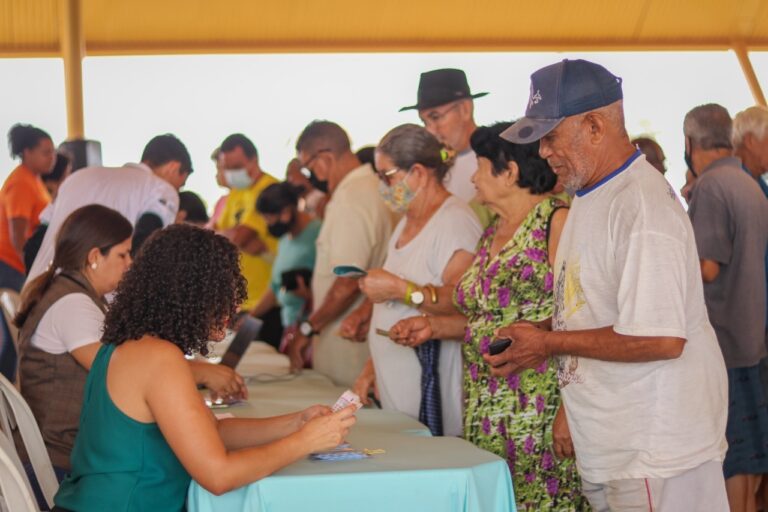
(10, 303)
(7, 446)
(14, 487)
(33, 440)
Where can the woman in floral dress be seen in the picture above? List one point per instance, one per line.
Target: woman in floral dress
(510, 280)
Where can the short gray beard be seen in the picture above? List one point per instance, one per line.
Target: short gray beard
(573, 183)
(576, 180)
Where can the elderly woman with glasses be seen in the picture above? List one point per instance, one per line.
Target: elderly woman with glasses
(510, 280)
(431, 247)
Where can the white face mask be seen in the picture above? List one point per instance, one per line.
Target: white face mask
(238, 178)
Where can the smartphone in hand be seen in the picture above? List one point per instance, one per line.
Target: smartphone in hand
(289, 278)
(499, 346)
(349, 271)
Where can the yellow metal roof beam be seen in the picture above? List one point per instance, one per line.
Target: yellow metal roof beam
(749, 74)
(72, 52)
(299, 46)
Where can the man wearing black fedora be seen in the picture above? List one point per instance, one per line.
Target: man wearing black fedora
(445, 106)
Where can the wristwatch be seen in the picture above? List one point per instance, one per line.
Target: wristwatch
(306, 329)
(413, 295)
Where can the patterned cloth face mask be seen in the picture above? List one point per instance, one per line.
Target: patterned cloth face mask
(397, 197)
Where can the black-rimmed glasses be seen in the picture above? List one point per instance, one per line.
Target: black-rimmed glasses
(305, 169)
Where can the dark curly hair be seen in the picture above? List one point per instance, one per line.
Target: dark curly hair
(24, 136)
(184, 284)
(535, 173)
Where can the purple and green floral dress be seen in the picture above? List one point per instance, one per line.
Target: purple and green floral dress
(513, 417)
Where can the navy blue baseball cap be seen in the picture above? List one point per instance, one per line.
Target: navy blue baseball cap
(560, 90)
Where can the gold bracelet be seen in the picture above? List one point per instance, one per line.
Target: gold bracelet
(432, 293)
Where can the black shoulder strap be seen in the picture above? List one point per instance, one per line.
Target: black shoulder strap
(558, 206)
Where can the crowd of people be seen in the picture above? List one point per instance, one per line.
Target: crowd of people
(635, 375)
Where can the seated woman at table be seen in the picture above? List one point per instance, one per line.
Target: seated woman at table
(144, 429)
(60, 322)
(431, 246)
(510, 280)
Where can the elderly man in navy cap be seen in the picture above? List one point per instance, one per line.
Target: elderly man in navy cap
(445, 106)
(643, 382)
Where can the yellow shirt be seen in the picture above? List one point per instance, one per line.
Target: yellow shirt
(240, 209)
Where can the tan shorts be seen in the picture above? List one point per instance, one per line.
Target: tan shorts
(698, 489)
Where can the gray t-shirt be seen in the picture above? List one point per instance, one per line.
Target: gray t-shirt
(729, 214)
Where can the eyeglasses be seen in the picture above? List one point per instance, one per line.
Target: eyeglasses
(305, 169)
(386, 176)
(434, 117)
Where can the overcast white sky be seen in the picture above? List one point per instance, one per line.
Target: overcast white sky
(271, 98)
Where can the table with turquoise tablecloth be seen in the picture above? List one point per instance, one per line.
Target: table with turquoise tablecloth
(416, 472)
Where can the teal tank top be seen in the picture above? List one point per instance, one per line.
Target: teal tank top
(118, 463)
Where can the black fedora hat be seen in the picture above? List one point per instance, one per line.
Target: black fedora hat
(441, 86)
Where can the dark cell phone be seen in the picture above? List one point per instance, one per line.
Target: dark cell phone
(289, 281)
(499, 346)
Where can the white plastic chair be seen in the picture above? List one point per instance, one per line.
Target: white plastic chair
(10, 303)
(15, 411)
(15, 494)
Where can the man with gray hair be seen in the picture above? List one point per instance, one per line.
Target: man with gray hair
(750, 143)
(642, 380)
(356, 230)
(730, 219)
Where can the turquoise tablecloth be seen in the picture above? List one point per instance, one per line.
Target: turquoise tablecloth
(417, 472)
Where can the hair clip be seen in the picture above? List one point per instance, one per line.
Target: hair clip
(444, 154)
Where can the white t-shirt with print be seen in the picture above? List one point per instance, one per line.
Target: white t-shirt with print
(453, 227)
(627, 258)
(132, 190)
(71, 322)
(458, 181)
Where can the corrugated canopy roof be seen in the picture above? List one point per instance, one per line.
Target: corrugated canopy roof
(114, 27)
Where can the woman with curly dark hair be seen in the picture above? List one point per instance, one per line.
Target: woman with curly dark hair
(145, 430)
(60, 321)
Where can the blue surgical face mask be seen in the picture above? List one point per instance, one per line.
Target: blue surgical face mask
(238, 179)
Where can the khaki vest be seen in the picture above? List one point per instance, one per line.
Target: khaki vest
(52, 384)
